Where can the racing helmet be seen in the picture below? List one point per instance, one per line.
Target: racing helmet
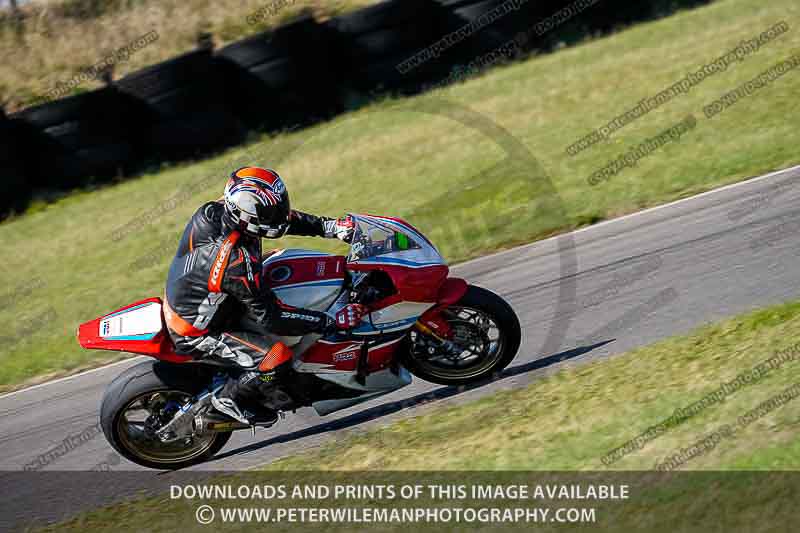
(257, 203)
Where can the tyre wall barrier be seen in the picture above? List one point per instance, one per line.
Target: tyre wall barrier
(15, 183)
(282, 78)
(295, 75)
(373, 41)
(189, 112)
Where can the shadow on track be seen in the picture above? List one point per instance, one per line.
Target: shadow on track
(442, 393)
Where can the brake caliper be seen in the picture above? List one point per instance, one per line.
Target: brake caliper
(435, 339)
(434, 324)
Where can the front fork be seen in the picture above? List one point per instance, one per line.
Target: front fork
(442, 343)
(431, 322)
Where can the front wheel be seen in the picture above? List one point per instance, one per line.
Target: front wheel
(483, 335)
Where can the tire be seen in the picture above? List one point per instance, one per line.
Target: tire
(151, 376)
(193, 68)
(195, 135)
(91, 137)
(498, 32)
(406, 38)
(183, 101)
(304, 37)
(454, 4)
(13, 180)
(115, 112)
(473, 11)
(9, 138)
(507, 322)
(380, 15)
(384, 76)
(253, 50)
(106, 161)
(67, 109)
(283, 77)
(64, 170)
(82, 135)
(278, 74)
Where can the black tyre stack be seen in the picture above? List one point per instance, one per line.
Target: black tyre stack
(373, 41)
(189, 116)
(282, 78)
(490, 37)
(87, 138)
(14, 180)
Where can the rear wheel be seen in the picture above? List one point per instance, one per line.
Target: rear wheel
(137, 404)
(483, 339)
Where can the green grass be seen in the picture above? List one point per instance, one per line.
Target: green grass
(459, 179)
(568, 422)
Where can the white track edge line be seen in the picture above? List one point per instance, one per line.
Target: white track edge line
(748, 181)
(72, 376)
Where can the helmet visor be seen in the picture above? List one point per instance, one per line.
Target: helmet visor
(274, 232)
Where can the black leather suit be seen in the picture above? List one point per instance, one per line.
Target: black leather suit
(214, 286)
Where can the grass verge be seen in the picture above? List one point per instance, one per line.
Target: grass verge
(571, 420)
(478, 167)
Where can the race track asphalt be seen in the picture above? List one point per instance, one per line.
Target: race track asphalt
(627, 283)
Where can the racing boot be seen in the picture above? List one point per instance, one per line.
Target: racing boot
(242, 398)
(239, 399)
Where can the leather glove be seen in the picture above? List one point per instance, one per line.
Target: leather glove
(341, 229)
(350, 316)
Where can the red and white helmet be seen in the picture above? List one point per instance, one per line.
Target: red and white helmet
(257, 203)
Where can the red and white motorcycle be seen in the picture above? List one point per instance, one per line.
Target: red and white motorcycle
(158, 413)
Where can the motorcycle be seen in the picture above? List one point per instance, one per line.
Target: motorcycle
(421, 322)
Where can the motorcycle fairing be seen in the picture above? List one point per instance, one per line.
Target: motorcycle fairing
(136, 328)
(395, 247)
(304, 278)
(452, 290)
(412, 284)
(395, 317)
(376, 384)
(334, 355)
(419, 276)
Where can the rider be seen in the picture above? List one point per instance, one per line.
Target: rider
(215, 307)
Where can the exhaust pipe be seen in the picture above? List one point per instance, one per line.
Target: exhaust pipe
(213, 423)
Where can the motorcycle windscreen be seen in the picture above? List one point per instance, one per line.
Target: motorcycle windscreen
(387, 240)
(395, 247)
